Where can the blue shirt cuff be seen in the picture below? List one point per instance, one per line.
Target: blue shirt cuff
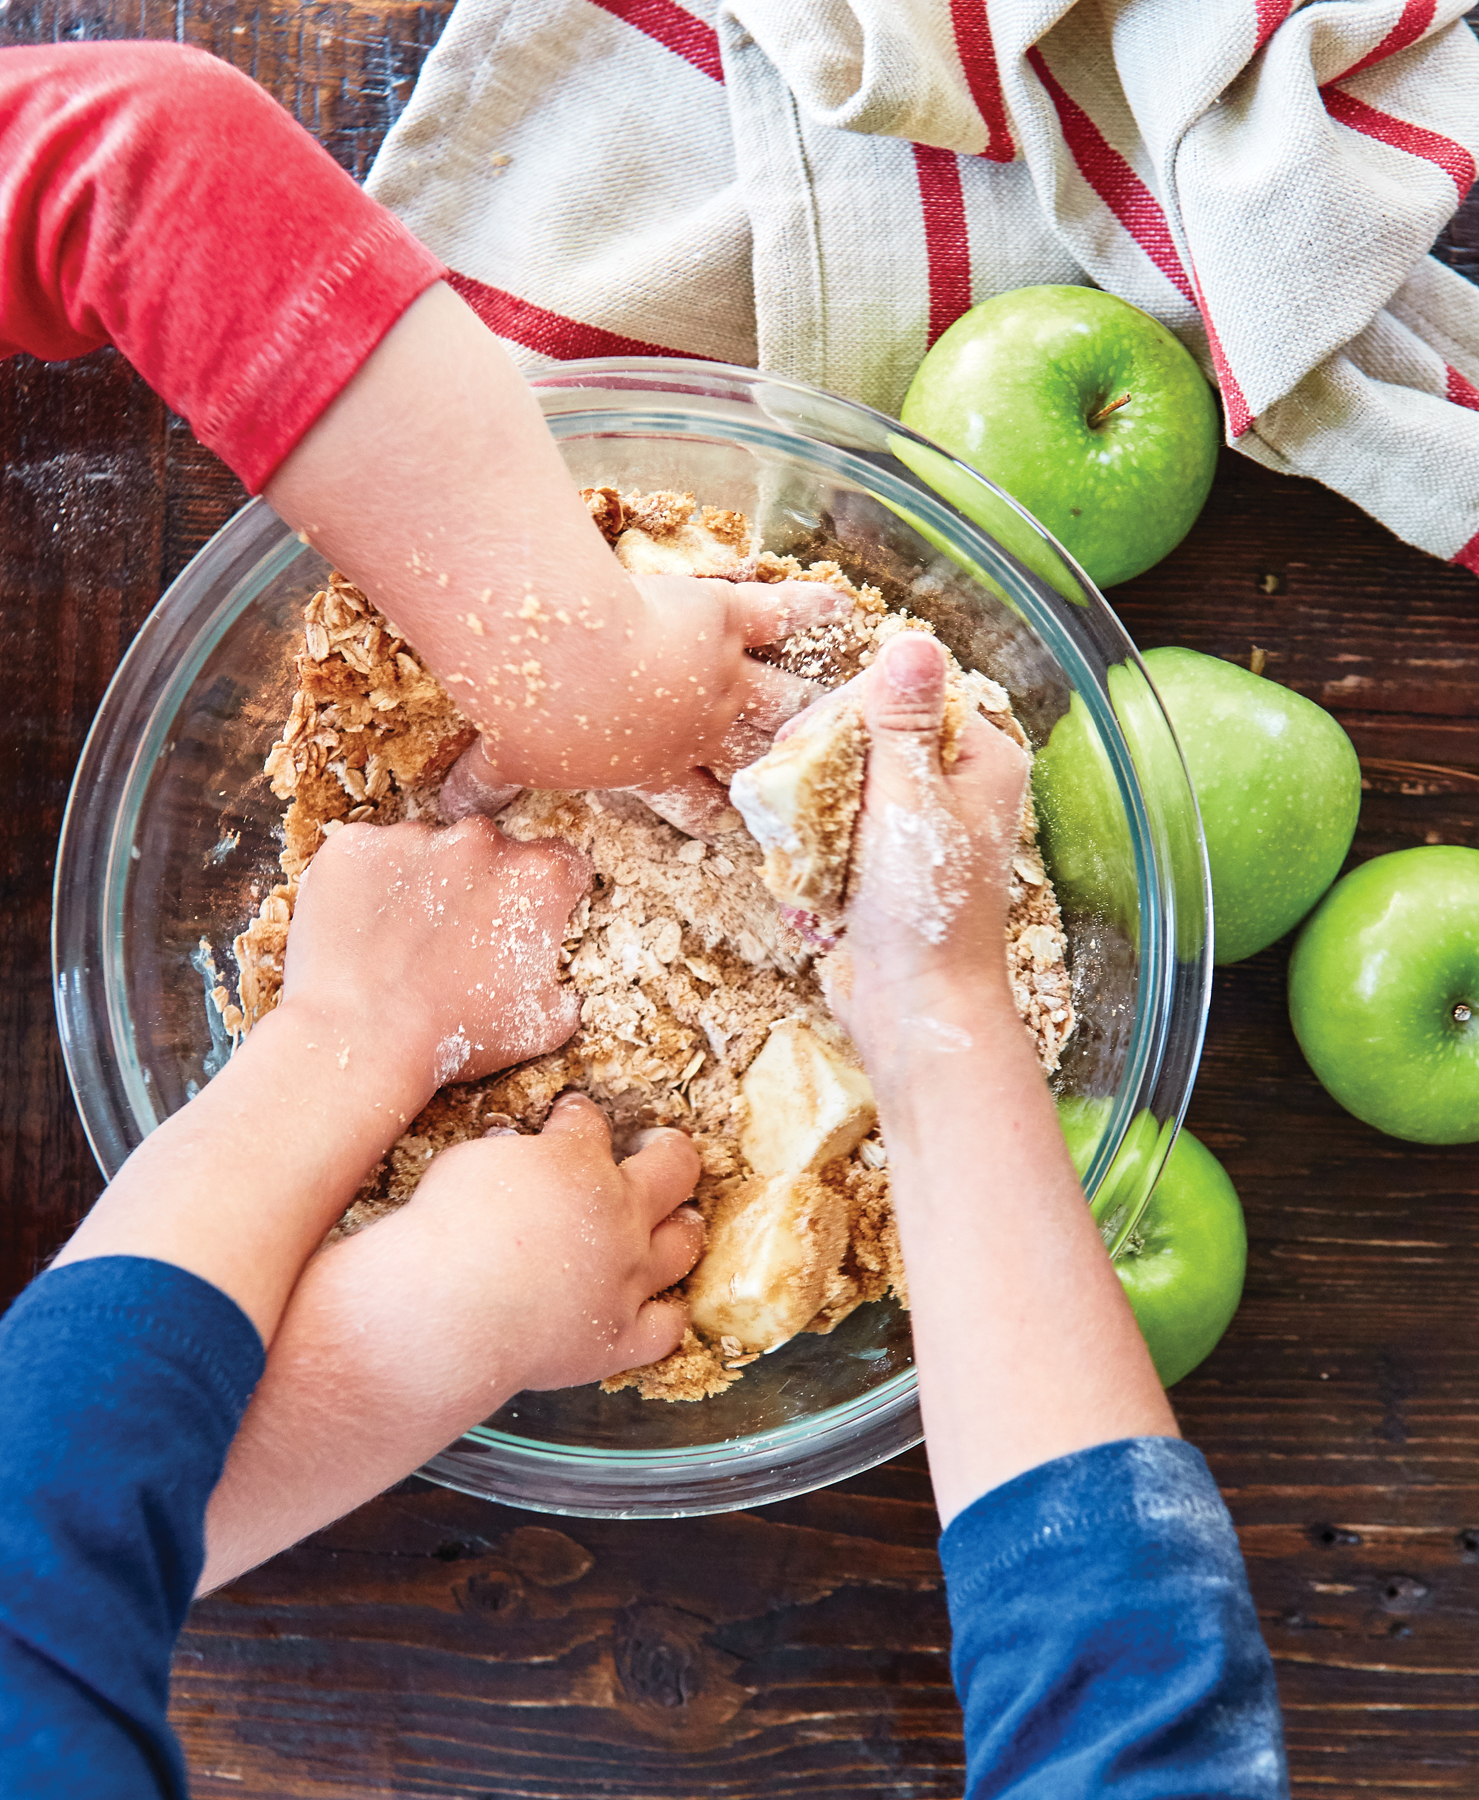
(122, 1382)
(1105, 1641)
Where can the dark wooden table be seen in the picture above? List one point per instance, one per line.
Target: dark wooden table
(435, 1645)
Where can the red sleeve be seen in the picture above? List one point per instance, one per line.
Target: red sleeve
(153, 198)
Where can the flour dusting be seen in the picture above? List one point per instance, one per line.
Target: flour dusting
(452, 1056)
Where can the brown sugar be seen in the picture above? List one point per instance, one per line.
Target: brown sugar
(682, 958)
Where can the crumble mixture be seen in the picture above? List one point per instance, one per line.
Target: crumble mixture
(687, 967)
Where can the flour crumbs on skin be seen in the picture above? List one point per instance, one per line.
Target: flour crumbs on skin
(452, 1056)
(920, 862)
(919, 858)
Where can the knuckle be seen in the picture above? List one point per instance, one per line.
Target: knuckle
(346, 841)
(556, 859)
(902, 719)
(475, 832)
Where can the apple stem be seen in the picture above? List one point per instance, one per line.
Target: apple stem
(1103, 413)
(1462, 1013)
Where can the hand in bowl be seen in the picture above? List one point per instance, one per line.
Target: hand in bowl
(698, 706)
(518, 1262)
(926, 915)
(415, 956)
(433, 482)
(1026, 1346)
(429, 956)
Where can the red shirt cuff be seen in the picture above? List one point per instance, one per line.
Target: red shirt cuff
(154, 198)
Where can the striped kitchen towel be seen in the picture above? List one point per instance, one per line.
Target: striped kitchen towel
(820, 187)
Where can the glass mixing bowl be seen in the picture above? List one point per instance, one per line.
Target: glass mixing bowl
(171, 821)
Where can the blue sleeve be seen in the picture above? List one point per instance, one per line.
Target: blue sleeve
(122, 1381)
(1105, 1641)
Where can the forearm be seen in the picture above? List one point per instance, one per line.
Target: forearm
(240, 1186)
(519, 1262)
(356, 1395)
(434, 482)
(1025, 1344)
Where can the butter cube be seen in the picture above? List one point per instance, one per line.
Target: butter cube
(800, 801)
(690, 550)
(774, 1249)
(805, 1103)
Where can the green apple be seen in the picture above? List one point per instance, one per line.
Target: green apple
(1182, 1266)
(1083, 826)
(1015, 533)
(1082, 815)
(1086, 410)
(1384, 993)
(1277, 781)
(1279, 787)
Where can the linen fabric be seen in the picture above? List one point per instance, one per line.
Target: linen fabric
(122, 1382)
(821, 189)
(153, 198)
(1105, 1641)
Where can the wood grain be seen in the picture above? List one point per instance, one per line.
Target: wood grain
(433, 1645)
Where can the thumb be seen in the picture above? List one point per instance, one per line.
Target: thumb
(474, 786)
(765, 612)
(575, 1117)
(904, 709)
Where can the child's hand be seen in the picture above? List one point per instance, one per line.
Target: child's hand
(438, 949)
(1025, 1344)
(752, 698)
(926, 921)
(535, 1259)
(519, 1262)
(434, 484)
(695, 636)
(693, 709)
(415, 956)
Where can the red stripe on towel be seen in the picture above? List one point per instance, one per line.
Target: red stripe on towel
(1114, 181)
(1417, 16)
(978, 59)
(1138, 210)
(676, 30)
(550, 333)
(1271, 15)
(1461, 391)
(946, 238)
(1239, 414)
(1468, 557)
(1452, 158)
